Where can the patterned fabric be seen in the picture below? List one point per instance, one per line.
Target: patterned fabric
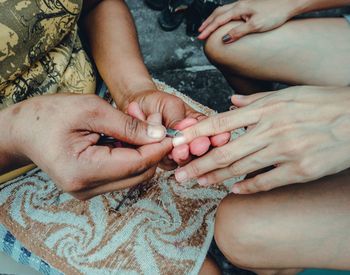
(40, 50)
(160, 227)
(13, 248)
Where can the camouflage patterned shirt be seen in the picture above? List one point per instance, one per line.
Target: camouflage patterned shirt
(40, 50)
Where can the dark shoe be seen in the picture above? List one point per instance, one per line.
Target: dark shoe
(197, 13)
(170, 21)
(157, 4)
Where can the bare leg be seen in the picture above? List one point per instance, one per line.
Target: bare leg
(308, 51)
(284, 230)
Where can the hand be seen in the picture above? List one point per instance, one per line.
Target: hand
(178, 115)
(302, 132)
(256, 16)
(60, 133)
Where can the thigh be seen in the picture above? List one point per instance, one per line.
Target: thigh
(307, 51)
(298, 226)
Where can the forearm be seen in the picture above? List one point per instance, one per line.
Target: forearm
(116, 51)
(10, 158)
(302, 6)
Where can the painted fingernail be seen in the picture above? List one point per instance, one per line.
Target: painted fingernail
(181, 175)
(235, 190)
(202, 181)
(156, 131)
(179, 139)
(226, 38)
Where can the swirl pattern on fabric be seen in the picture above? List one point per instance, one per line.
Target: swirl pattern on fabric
(160, 227)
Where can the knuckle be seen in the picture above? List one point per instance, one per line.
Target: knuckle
(221, 156)
(194, 169)
(258, 184)
(307, 170)
(255, 25)
(236, 170)
(131, 127)
(220, 124)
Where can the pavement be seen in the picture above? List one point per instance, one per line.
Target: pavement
(179, 60)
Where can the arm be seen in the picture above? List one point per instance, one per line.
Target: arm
(302, 6)
(114, 44)
(113, 40)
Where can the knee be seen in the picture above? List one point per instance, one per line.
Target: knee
(217, 52)
(237, 232)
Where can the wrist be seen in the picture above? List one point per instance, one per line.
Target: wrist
(297, 7)
(10, 154)
(125, 94)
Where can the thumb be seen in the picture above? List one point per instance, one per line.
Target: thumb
(238, 32)
(242, 100)
(115, 123)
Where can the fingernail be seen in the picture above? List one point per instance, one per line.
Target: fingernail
(238, 96)
(235, 190)
(202, 181)
(156, 131)
(179, 139)
(226, 38)
(170, 156)
(181, 175)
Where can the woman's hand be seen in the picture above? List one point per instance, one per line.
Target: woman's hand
(302, 132)
(60, 134)
(256, 16)
(178, 115)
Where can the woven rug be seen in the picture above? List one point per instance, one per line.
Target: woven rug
(159, 227)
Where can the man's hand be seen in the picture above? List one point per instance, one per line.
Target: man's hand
(301, 132)
(60, 134)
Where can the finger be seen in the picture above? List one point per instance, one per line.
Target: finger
(155, 119)
(185, 123)
(168, 163)
(220, 140)
(219, 158)
(215, 13)
(279, 176)
(238, 32)
(200, 146)
(135, 111)
(181, 153)
(100, 163)
(114, 186)
(217, 124)
(218, 21)
(112, 122)
(244, 166)
(241, 100)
